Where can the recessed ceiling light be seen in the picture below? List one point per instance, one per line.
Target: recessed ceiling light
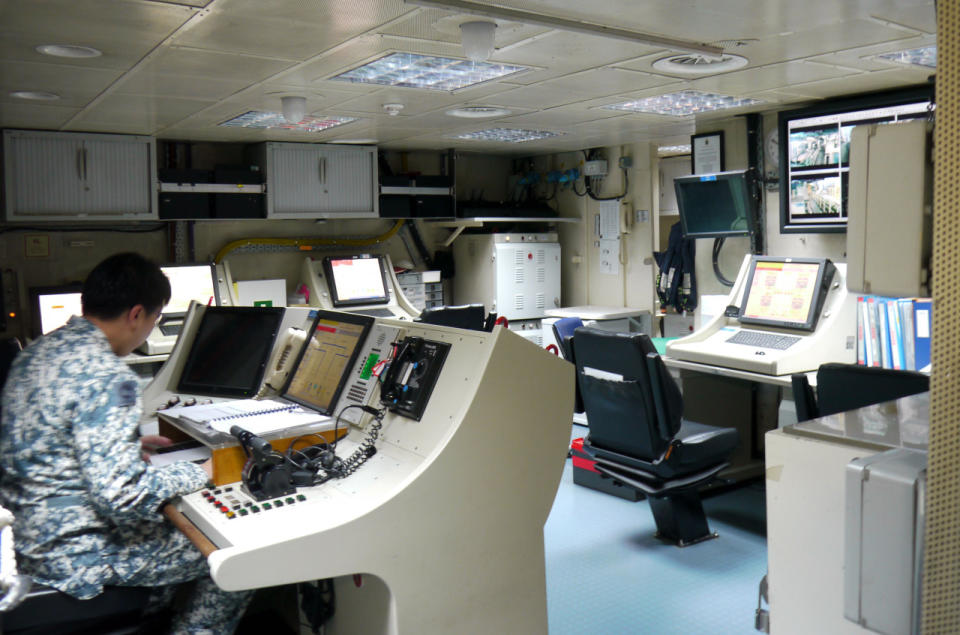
(509, 135)
(695, 64)
(478, 112)
(423, 71)
(683, 103)
(925, 56)
(68, 50)
(36, 95)
(275, 121)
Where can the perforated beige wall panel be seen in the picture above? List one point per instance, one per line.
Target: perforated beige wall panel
(941, 582)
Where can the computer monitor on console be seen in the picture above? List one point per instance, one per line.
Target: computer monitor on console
(188, 283)
(359, 283)
(53, 306)
(784, 315)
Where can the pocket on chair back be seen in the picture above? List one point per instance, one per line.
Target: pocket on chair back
(621, 416)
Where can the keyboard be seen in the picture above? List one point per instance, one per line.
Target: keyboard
(759, 339)
(171, 328)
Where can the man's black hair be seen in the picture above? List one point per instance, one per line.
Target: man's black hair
(121, 282)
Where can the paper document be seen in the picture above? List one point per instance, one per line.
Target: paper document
(258, 416)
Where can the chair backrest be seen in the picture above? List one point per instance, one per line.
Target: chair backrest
(803, 398)
(464, 316)
(563, 332)
(621, 412)
(666, 396)
(843, 387)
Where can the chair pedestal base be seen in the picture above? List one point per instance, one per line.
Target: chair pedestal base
(680, 518)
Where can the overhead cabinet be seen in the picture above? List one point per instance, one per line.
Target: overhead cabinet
(313, 180)
(63, 176)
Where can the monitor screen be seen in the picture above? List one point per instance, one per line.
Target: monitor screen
(53, 306)
(189, 282)
(355, 280)
(717, 205)
(786, 292)
(321, 371)
(230, 351)
(814, 153)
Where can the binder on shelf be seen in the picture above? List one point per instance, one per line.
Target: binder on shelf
(861, 339)
(883, 330)
(873, 345)
(906, 326)
(922, 320)
(896, 335)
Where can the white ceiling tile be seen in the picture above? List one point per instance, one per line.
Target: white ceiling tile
(207, 88)
(743, 82)
(196, 63)
(76, 86)
(44, 116)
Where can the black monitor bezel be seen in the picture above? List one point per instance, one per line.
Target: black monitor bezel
(186, 387)
(748, 177)
(365, 321)
(34, 293)
(821, 286)
(166, 315)
(839, 106)
(332, 284)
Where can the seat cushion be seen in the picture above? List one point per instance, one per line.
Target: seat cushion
(696, 447)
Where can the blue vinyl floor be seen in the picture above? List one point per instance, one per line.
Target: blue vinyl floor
(607, 574)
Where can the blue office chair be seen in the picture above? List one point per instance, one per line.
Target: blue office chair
(638, 436)
(845, 387)
(563, 332)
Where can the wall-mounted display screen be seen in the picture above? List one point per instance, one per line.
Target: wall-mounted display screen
(815, 154)
(356, 280)
(717, 205)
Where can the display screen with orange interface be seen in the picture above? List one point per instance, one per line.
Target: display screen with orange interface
(783, 293)
(327, 358)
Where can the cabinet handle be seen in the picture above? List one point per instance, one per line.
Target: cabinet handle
(323, 170)
(84, 151)
(80, 163)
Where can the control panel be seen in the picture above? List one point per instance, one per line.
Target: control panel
(362, 381)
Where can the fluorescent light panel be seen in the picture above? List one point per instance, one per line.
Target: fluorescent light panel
(677, 149)
(508, 135)
(424, 71)
(275, 121)
(683, 103)
(925, 56)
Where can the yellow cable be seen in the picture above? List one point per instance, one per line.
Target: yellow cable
(308, 242)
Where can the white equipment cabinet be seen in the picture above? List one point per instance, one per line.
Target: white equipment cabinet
(63, 176)
(514, 275)
(313, 180)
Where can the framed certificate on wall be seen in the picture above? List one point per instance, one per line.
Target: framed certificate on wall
(707, 152)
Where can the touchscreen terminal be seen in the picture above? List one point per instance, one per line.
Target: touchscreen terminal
(786, 292)
(355, 280)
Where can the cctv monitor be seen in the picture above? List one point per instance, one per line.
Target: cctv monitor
(717, 205)
(53, 306)
(229, 353)
(356, 280)
(786, 292)
(321, 371)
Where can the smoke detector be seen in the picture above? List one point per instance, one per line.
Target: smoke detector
(392, 109)
(697, 64)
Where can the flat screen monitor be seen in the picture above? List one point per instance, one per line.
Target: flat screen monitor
(786, 292)
(187, 283)
(53, 306)
(321, 371)
(230, 351)
(356, 280)
(814, 153)
(717, 205)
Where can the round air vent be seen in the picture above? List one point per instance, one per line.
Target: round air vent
(478, 112)
(696, 64)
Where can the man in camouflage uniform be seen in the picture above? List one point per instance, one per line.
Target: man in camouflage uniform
(87, 507)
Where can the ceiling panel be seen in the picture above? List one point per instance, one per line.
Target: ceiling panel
(177, 71)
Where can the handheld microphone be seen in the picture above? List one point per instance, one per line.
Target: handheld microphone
(265, 474)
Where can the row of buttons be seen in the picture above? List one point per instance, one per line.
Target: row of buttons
(236, 508)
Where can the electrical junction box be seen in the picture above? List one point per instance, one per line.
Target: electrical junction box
(597, 167)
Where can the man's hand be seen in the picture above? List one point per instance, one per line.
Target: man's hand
(149, 444)
(208, 468)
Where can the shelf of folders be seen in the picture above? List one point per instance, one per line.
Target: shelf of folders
(894, 332)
